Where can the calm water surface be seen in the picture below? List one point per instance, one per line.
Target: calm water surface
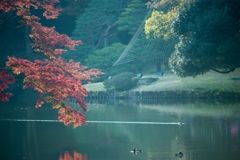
(210, 131)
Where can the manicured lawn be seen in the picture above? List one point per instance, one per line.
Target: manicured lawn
(170, 81)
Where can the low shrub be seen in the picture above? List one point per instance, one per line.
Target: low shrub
(121, 82)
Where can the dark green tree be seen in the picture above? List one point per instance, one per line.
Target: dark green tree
(73, 7)
(132, 16)
(97, 27)
(104, 58)
(209, 37)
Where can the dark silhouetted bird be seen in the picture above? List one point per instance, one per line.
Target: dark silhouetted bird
(136, 151)
(179, 154)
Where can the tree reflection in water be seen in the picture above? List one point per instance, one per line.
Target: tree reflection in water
(76, 156)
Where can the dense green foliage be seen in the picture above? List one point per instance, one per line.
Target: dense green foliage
(132, 17)
(159, 24)
(209, 37)
(197, 35)
(208, 34)
(193, 36)
(104, 30)
(121, 82)
(96, 27)
(104, 58)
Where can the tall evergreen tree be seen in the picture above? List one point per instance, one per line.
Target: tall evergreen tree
(97, 27)
(104, 59)
(132, 16)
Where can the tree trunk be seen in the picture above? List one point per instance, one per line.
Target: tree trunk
(158, 65)
(105, 35)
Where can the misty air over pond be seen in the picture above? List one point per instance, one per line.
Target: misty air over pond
(209, 130)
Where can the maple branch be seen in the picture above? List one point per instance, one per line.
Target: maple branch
(5, 69)
(7, 18)
(17, 30)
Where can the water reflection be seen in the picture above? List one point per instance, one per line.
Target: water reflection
(74, 156)
(210, 131)
(234, 129)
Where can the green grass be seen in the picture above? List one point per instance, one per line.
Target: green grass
(169, 81)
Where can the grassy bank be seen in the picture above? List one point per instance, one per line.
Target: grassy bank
(170, 82)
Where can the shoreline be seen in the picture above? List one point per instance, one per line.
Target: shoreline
(177, 94)
(171, 82)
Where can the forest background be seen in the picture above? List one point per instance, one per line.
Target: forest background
(203, 42)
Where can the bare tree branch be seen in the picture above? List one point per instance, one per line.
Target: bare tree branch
(104, 35)
(4, 18)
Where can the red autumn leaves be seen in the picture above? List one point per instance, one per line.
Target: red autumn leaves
(55, 79)
(5, 79)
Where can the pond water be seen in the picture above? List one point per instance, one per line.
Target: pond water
(210, 130)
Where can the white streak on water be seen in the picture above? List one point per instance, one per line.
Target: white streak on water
(118, 122)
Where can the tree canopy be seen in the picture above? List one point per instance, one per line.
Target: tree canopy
(159, 24)
(208, 33)
(132, 16)
(104, 58)
(209, 37)
(96, 27)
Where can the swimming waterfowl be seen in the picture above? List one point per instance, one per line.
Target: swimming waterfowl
(179, 154)
(180, 123)
(136, 151)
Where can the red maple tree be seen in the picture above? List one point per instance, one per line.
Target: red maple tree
(76, 156)
(55, 79)
(5, 79)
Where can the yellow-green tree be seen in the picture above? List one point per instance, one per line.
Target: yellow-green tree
(159, 24)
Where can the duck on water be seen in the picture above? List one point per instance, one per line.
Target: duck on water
(179, 154)
(136, 151)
